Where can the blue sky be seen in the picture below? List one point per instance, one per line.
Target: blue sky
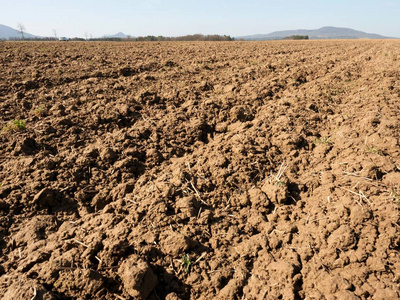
(179, 17)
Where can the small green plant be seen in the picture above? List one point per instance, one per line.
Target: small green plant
(279, 183)
(323, 140)
(186, 262)
(16, 125)
(372, 149)
(19, 124)
(39, 111)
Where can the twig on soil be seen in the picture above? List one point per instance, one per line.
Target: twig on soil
(80, 243)
(308, 218)
(197, 193)
(37, 130)
(281, 170)
(264, 294)
(34, 294)
(365, 197)
(360, 194)
(226, 207)
(198, 214)
(319, 219)
(119, 297)
(64, 189)
(278, 231)
(100, 261)
(340, 134)
(353, 174)
(275, 284)
(195, 190)
(200, 258)
(207, 233)
(130, 200)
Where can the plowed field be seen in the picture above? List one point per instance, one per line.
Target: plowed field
(238, 170)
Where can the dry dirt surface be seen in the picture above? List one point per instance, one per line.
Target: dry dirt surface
(237, 170)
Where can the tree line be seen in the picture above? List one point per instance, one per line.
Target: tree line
(150, 38)
(297, 37)
(160, 38)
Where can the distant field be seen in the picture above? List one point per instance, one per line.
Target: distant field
(200, 170)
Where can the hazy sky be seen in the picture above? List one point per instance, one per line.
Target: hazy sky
(179, 17)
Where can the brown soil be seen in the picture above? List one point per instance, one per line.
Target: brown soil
(200, 170)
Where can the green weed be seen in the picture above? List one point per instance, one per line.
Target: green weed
(186, 262)
(16, 125)
(322, 140)
(19, 124)
(373, 150)
(39, 111)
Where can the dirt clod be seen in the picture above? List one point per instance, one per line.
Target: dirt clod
(137, 277)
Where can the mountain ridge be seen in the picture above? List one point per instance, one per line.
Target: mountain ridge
(327, 32)
(7, 32)
(117, 35)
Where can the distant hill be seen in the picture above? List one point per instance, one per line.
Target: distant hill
(118, 35)
(328, 32)
(7, 32)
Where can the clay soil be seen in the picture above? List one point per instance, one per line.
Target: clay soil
(238, 170)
